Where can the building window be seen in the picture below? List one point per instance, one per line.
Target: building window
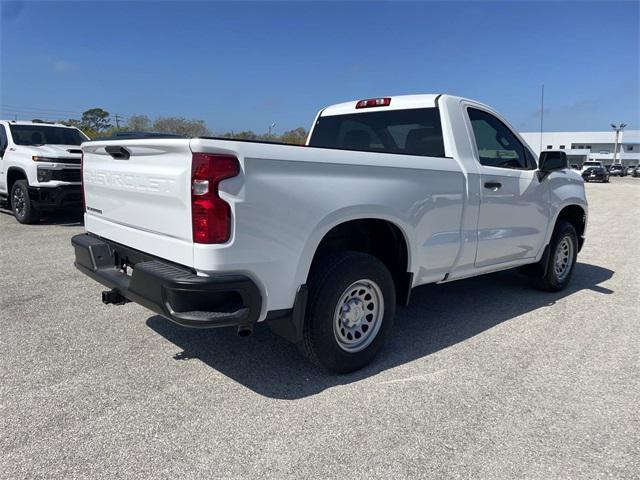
(588, 147)
(561, 147)
(549, 147)
(629, 148)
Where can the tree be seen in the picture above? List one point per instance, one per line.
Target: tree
(138, 123)
(72, 122)
(244, 135)
(181, 126)
(297, 136)
(96, 120)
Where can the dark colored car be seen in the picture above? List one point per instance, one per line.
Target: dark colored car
(617, 171)
(636, 171)
(595, 174)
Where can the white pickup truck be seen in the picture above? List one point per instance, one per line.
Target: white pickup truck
(39, 167)
(322, 241)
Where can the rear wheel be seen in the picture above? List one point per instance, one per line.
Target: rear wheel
(21, 205)
(350, 311)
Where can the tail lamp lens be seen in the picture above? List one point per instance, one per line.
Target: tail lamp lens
(211, 215)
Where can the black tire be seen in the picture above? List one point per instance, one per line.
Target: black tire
(551, 281)
(330, 281)
(21, 204)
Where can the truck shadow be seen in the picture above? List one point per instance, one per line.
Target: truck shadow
(439, 316)
(64, 218)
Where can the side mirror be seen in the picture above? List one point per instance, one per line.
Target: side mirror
(550, 161)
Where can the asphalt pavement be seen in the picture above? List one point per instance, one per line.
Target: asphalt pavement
(483, 378)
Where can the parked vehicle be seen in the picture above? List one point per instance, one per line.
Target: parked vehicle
(636, 171)
(589, 164)
(617, 171)
(596, 174)
(629, 170)
(39, 167)
(322, 241)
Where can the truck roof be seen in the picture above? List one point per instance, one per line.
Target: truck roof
(398, 102)
(29, 122)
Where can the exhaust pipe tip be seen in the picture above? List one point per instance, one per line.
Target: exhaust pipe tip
(245, 330)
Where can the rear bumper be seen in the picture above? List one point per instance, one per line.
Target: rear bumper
(56, 197)
(170, 290)
(599, 178)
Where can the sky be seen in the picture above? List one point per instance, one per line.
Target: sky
(245, 65)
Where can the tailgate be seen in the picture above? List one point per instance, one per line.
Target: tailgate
(138, 193)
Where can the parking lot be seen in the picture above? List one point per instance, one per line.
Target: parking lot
(483, 378)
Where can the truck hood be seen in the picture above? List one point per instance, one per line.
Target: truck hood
(53, 151)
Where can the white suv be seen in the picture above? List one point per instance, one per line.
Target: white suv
(39, 167)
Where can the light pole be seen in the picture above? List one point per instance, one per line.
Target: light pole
(271, 127)
(618, 128)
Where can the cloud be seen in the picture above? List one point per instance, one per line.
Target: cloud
(63, 66)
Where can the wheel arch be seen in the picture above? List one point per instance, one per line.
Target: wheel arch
(576, 215)
(13, 175)
(379, 235)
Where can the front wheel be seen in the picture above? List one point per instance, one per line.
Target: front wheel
(563, 251)
(21, 205)
(350, 312)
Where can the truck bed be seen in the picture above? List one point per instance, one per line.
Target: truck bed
(285, 199)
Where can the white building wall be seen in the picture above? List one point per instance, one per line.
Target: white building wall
(628, 147)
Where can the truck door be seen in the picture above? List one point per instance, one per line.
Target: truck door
(514, 210)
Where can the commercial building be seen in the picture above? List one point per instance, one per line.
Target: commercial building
(583, 146)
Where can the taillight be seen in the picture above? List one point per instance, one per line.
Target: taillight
(210, 215)
(374, 102)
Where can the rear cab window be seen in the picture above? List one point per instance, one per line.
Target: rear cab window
(409, 131)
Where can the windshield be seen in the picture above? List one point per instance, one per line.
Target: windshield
(45, 135)
(591, 164)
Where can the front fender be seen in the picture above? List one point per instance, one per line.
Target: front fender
(565, 189)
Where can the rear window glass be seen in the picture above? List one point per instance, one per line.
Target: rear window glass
(411, 132)
(43, 135)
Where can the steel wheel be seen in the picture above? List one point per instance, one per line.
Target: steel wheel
(563, 258)
(358, 315)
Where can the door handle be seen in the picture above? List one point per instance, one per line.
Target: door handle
(493, 185)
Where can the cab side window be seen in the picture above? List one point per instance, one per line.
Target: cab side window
(3, 140)
(497, 145)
